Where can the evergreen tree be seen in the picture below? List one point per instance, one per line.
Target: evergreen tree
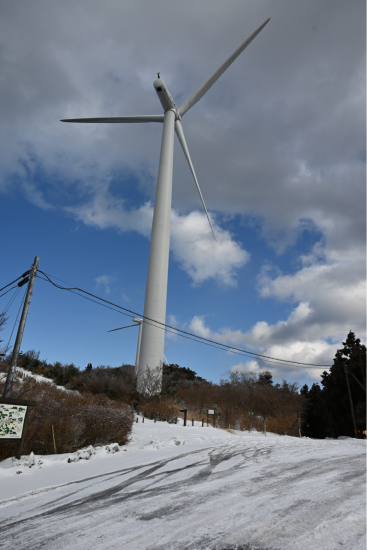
(265, 378)
(335, 389)
(315, 417)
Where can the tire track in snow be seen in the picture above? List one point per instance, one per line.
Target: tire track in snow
(255, 474)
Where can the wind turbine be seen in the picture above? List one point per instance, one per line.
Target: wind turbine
(152, 333)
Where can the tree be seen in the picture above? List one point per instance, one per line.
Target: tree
(335, 389)
(152, 381)
(314, 418)
(265, 378)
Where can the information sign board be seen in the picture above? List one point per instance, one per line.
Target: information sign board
(12, 421)
(210, 411)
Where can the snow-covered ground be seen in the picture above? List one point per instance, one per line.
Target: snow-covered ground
(175, 487)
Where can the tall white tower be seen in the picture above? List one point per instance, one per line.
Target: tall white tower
(152, 330)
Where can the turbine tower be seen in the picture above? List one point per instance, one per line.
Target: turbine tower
(152, 333)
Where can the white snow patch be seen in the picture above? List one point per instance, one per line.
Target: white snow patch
(83, 454)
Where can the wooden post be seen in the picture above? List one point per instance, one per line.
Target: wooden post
(202, 423)
(20, 446)
(192, 421)
(185, 415)
(53, 437)
(143, 420)
(137, 419)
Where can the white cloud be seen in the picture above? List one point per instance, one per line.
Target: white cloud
(192, 242)
(294, 339)
(202, 257)
(172, 321)
(249, 366)
(335, 292)
(105, 280)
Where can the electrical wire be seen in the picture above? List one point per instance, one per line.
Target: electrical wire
(15, 322)
(86, 298)
(8, 305)
(15, 280)
(12, 288)
(189, 335)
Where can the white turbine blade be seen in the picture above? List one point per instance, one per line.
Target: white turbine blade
(140, 118)
(181, 137)
(127, 326)
(201, 90)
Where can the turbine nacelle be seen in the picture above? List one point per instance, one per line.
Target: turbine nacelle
(164, 96)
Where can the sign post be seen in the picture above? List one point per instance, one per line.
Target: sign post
(210, 411)
(185, 413)
(13, 420)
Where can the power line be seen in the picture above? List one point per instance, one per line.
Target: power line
(12, 288)
(15, 280)
(8, 305)
(16, 319)
(85, 297)
(189, 335)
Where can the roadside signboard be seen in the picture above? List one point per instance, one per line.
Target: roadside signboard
(210, 411)
(12, 421)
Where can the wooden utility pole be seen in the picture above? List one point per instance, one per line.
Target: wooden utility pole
(351, 402)
(18, 341)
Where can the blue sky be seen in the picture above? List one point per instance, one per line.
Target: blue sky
(278, 145)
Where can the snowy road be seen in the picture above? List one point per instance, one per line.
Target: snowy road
(219, 491)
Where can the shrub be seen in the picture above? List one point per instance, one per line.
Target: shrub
(161, 409)
(78, 420)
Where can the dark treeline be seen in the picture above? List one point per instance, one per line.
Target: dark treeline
(328, 410)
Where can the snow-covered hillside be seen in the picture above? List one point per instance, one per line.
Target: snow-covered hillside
(175, 487)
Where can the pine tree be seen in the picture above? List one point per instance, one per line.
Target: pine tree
(335, 390)
(315, 416)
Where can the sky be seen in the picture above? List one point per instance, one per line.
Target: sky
(278, 146)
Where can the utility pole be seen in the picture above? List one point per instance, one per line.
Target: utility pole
(351, 402)
(18, 341)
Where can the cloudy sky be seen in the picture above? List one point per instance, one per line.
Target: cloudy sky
(278, 145)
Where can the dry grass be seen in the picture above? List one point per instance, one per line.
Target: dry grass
(78, 420)
(161, 409)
